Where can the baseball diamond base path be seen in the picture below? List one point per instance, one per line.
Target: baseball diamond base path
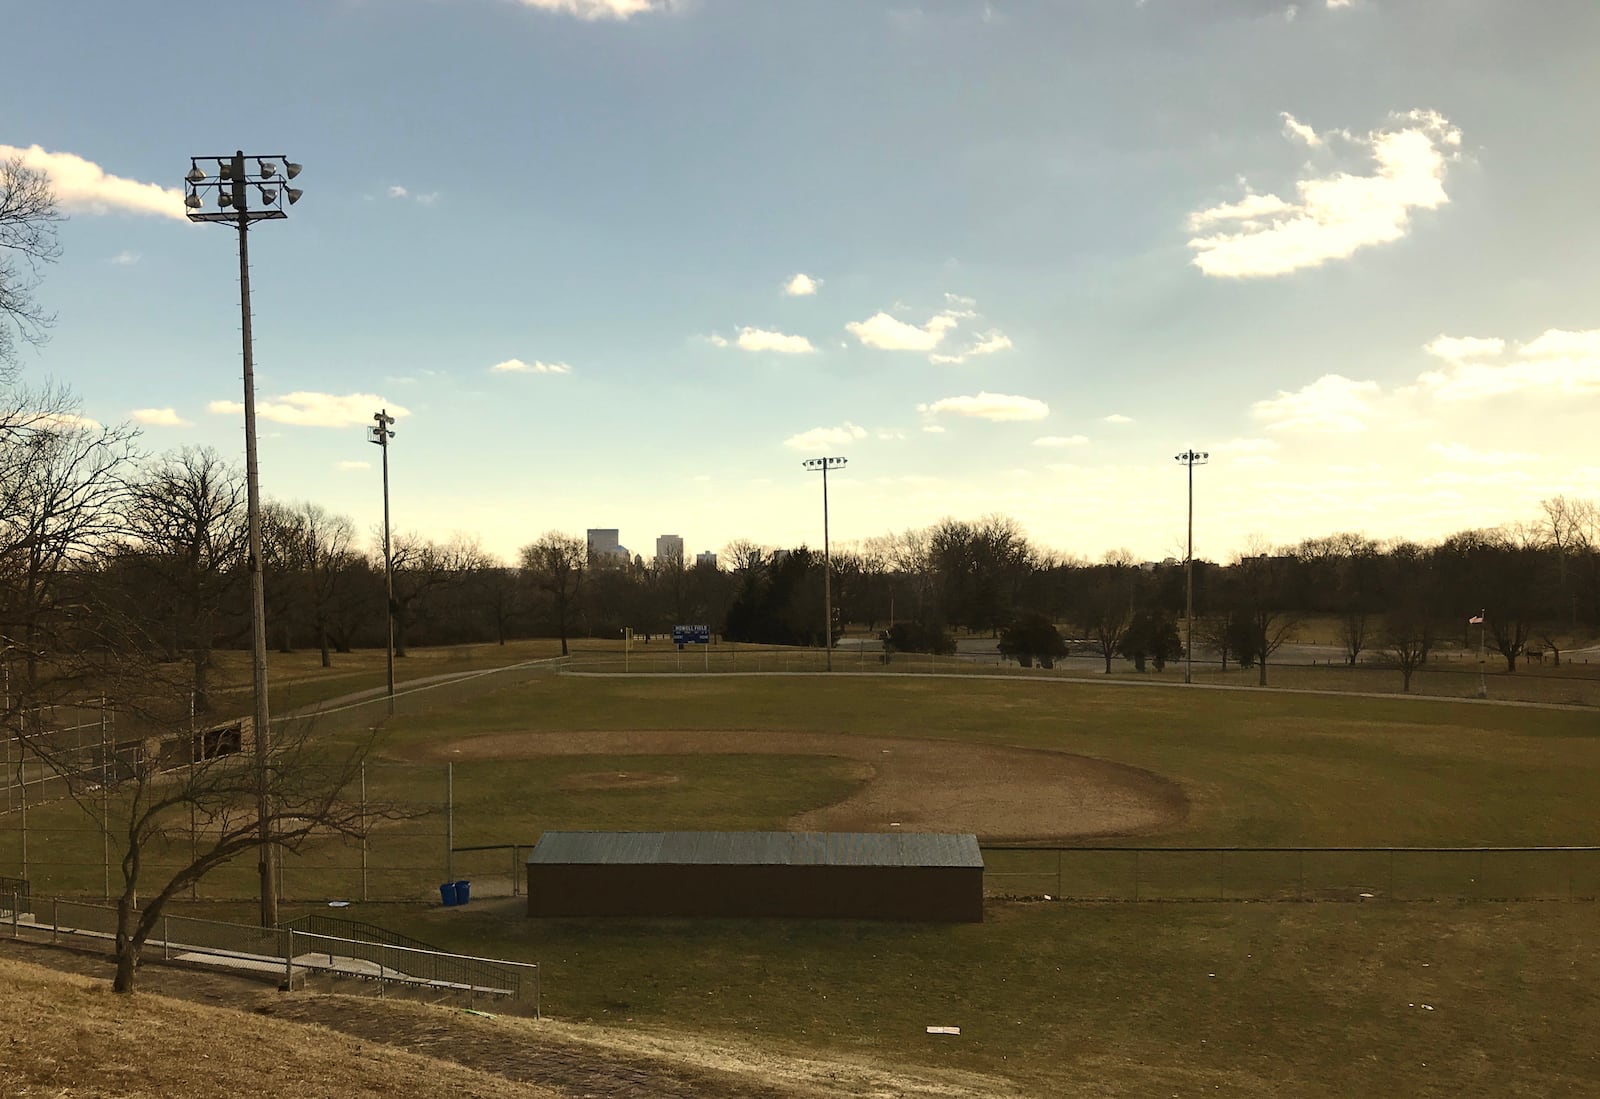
(918, 785)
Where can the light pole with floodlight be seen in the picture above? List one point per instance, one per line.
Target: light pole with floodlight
(379, 433)
(1189, 458)
(825, 464)
(228, 187)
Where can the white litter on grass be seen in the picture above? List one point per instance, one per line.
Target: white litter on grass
(1366, 896)
(894, 824)
(944, 1030)
(1047, 896)
(338, 904)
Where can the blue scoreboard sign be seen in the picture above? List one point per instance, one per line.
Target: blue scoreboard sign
(691, 635)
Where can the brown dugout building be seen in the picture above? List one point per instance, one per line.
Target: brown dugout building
(861, 875)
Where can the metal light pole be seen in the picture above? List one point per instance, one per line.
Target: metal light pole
(380, 434)
(228, 186)
(825, 464)
(1190, 458)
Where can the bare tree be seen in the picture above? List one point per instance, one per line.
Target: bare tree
(422, 568)
(1261, 590)
(555, 564)
(28, 219)
(183, 568)
(166, 790)
(61, 502)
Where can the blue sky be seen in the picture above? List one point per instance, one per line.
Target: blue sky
(1042, 246)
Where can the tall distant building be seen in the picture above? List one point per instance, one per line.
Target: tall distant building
(705, 558)
(669, 547)
(604, 543)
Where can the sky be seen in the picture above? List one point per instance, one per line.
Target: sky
(628, 263)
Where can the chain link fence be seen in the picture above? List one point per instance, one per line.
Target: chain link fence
(1293, 873)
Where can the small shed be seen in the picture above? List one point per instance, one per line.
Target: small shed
(861, 875)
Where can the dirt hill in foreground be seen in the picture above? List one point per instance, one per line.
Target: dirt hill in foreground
(68, 1034)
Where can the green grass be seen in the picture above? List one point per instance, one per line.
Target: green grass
(1121, 1000)
(1116, 999)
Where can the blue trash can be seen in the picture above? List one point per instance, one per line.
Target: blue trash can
(447, 894)
(463, 892)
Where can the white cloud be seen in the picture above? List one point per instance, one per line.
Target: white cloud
(1461, 348)
(759, 339)
(1295, 128)
(1333, 215)
(1461, 454)
(990, 342)
(825, 438)
(1331, 403)
(81, 185)
(1556, 342)
(888, 334)
(159, 417)
(308, 409)
(424, 199)
(989, 406)
(599, 9)
(890, 434)
(352, 465)
(124, 259)
(1334, 5)
(517, 366)
(1557, 364)
(397, 191)
(62, 421)
(1117, 418)
(1061, 440)
(933, 429)
(801, 286)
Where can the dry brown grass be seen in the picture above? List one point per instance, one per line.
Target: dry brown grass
(67, 1034)
(70, 1035)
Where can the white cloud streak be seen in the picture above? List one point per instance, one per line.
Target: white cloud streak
(825, 438)
(760, 339)
(81, 185)
(517, 366)
(159, 417)
(1556, 364)
(592, 10)
(1335, 215)
(998, 407)
(888, 334)
(310, 409)
(1332, 403)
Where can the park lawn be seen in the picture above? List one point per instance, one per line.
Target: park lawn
(1259, 768)
(1105, 1000)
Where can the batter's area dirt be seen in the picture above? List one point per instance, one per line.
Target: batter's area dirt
(1001, 794)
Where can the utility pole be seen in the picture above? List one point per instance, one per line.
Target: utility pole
(1189, 458)
(825, 464)
(381, 435)
(230, 185)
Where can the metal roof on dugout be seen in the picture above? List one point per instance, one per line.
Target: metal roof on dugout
(868, 875)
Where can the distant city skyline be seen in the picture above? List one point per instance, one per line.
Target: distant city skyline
(1007, 256)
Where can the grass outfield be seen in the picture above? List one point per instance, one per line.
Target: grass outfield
(1236, 999)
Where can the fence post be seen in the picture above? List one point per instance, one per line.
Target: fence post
(1136, 875)
(1391, 874)
(1059, 889)
(363, 830)
(166, 937)
(1300, 863)
(516, 886)
(1222, 872)
(449, 823)
(288, 961)
(16, 903)
(55, 918)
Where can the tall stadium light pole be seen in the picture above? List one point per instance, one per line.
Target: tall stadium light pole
(226, 182)
(379, 433)
(1190, 458)
(825, 464)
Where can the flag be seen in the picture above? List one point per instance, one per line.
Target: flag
(1475, 620)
